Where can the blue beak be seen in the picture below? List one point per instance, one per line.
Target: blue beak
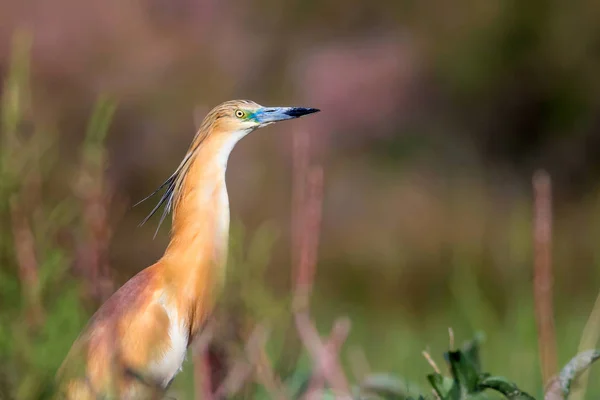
(267, 115)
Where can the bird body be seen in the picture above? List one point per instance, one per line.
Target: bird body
(135, 344)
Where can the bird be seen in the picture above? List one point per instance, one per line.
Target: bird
(134, 345)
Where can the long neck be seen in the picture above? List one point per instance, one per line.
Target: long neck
(197, 252)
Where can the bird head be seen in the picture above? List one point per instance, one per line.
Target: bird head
(244, 116)
(223, 127)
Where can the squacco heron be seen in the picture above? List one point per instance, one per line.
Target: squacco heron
(136, 342)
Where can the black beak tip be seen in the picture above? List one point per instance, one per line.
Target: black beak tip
(300, 111)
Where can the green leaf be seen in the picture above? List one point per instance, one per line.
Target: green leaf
(444, 387)
(508, 389)
(464, 372)
(328, 394)
(297, 383)
(16, 86)
(387, 386)
(97, 129)
(471, 351)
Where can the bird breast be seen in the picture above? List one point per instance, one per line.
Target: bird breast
(170, 362)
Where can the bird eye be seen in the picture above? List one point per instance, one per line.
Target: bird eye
(239, 113)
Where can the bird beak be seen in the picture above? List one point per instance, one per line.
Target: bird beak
(268, 115)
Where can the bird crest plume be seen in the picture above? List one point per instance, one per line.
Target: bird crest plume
(239, 116)
(173, 184)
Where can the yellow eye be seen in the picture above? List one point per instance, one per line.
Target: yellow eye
(239, 114)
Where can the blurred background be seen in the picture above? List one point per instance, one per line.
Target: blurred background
(435, 116)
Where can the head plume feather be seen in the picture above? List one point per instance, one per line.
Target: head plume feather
(170, 198)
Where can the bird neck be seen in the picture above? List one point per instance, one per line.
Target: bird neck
(197, 252)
